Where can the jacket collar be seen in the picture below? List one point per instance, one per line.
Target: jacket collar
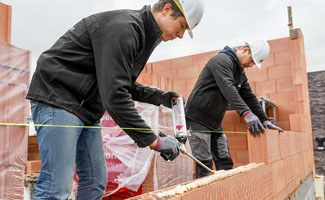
(151, 26)
(232, 53)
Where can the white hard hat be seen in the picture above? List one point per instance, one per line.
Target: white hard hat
(260, 50)
(192, 11)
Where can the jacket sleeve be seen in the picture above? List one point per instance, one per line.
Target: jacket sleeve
(222, 69)
(115, 45)
(250, 99)
(145, 93)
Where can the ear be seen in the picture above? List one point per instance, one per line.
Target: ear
(166, 9)
(246, 49)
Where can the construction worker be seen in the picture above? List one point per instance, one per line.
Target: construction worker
(93, 67)
(223, 82)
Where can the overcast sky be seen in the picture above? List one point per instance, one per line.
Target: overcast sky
(37, 24)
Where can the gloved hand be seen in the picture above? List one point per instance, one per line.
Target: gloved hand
(166, 98)
(254, 124)
(268, 124)
(167, 146)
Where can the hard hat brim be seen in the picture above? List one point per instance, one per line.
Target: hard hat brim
(258, 64)
(190, 33)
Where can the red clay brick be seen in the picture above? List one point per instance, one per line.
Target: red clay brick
(300, 77)
(282, 57)
(284, 145)
(33, 166)
(265, 87)
(279, 72)
(242, 156)
(285, 125)
(272, 146)
(190, 83)
(295, 122)
(269, 61)
(163, 65)
(188, 72)
(233, 153)
(203, 58)
(201, 68)
(179, 85)
(237, 143)
(279, 44)
(278, 176)
(283, 99)
(285, 111)
(242, 128)
(182, 62)
(256, 148)
(256, 74)
(170, 74)
(231, 117)
(228, 126)
(284, 85)
(299, 92)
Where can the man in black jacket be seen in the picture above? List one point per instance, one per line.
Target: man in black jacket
(221, 83)
(93, 67)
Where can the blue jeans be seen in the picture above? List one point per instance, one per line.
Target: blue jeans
(61, 148)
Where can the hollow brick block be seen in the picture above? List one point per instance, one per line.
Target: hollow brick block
(182, 62)
(203, 58)
(279, 72)
(284, 85)
(279, 44)
(159, 66)
(282, 57)
(188, 72)
(256, 74)
(265, 87)
(231, 117)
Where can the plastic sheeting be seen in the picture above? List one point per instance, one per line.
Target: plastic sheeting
(130, 168)
(127, 164)
(14, 79)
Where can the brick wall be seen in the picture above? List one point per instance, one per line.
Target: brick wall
(5, 22)
(316, 83)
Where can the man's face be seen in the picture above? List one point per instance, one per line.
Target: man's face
(171, 28)
(246, 59)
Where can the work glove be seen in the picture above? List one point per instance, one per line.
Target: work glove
(167, 146)
(166, 98)
(268, 124)
(254, 124)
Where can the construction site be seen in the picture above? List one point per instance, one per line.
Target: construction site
(273, 165)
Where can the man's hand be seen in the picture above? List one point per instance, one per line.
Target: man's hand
(268, 124)
(166, 98)
(167, 146)
(254, 124)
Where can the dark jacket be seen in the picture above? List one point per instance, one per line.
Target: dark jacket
(221, 82)
(94, 66)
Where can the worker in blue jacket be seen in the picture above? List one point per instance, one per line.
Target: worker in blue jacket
(221, 83)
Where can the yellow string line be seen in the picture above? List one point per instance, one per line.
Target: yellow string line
(113, 128)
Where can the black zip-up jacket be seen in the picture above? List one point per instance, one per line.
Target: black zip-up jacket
(94, 66)
(221, 83)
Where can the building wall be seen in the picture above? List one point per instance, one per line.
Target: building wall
(316, 83)
(5, 22)
(283, 79)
